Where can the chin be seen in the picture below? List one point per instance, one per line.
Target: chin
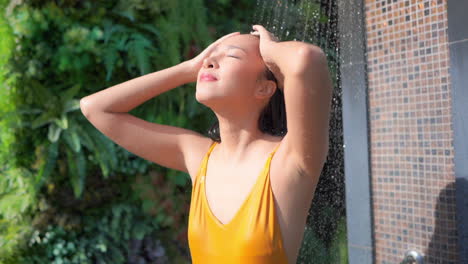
(203, 97)
(209, 100)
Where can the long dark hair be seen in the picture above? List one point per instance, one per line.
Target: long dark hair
(272, 119)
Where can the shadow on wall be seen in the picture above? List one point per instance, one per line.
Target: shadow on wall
(443, 247)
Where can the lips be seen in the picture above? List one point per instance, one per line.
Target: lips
(207, 77)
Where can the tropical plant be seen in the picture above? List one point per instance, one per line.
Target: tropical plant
(66, 50)
(55, 166)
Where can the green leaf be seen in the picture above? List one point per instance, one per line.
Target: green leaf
(151, 28)
(75, 173)
(110, 57)
(43, 119)
(140, 48)
(62, 122)
(71, 105)
(73, 140)
(70, 93)
(128, 14)
(42, 95)
(110, 28)
(49, 165)
(54, 132)
(105, 152)
(85, 139)
(81, 165)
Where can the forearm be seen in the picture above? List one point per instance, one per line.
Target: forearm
(123, 97)
(292, 57)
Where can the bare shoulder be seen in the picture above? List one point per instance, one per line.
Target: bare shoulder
(195, 147)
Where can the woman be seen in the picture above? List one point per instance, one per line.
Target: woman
(237, 215)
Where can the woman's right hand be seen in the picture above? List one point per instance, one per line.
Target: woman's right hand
(196, 63)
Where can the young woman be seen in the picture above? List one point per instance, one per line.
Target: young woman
(251, 188)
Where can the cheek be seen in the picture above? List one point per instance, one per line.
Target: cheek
(240, 75)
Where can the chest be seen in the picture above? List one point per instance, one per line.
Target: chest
(228, 190)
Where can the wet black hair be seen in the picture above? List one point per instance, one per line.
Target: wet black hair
(272, 118)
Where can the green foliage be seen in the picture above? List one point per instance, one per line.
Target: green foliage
(52, 53)
(62, 52)
(314, 250)
(105, 238)
(67, 52)
(17, 201)
(6, 46)
(339, 246)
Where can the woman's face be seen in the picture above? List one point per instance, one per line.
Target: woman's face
(237, 67)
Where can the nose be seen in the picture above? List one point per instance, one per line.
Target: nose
(210, 62)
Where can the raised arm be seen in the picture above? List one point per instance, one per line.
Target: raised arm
(108, 111)
(302, 69)
(169, 146)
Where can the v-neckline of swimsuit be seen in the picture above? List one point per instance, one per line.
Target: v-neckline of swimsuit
(253, 234)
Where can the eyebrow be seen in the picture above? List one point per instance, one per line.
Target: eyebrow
(232, 47)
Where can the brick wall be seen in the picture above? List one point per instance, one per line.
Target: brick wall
(410, 130)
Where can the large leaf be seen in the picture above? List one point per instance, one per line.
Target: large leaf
(48, 166)
(85, 139)
(105, 152)
(76, 171)
(140, 48)
(43, 119)
(70, 93)
(110, 29)
(73, 140)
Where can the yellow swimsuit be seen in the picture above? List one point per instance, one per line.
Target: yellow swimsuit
(253, 235)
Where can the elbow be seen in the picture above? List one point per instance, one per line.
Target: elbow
(309, 57)
(85, 106)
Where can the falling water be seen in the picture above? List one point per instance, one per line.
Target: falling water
(315, 22)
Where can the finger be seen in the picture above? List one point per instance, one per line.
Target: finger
(259, 28)
(263, 32)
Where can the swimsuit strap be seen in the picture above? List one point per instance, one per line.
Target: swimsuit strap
(276, 148)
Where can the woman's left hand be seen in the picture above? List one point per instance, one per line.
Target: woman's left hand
(267, 49)
(267, 40)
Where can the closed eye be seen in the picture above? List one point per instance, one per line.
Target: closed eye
(233, 56)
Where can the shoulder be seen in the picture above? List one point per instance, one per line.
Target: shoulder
(195, 149)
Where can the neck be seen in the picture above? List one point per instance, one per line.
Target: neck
(238, 134)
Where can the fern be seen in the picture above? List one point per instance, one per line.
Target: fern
(110, 58)
(140, 48)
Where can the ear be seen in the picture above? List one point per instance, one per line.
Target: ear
(266, 89)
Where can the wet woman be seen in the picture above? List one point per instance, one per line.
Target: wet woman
(252, 181)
